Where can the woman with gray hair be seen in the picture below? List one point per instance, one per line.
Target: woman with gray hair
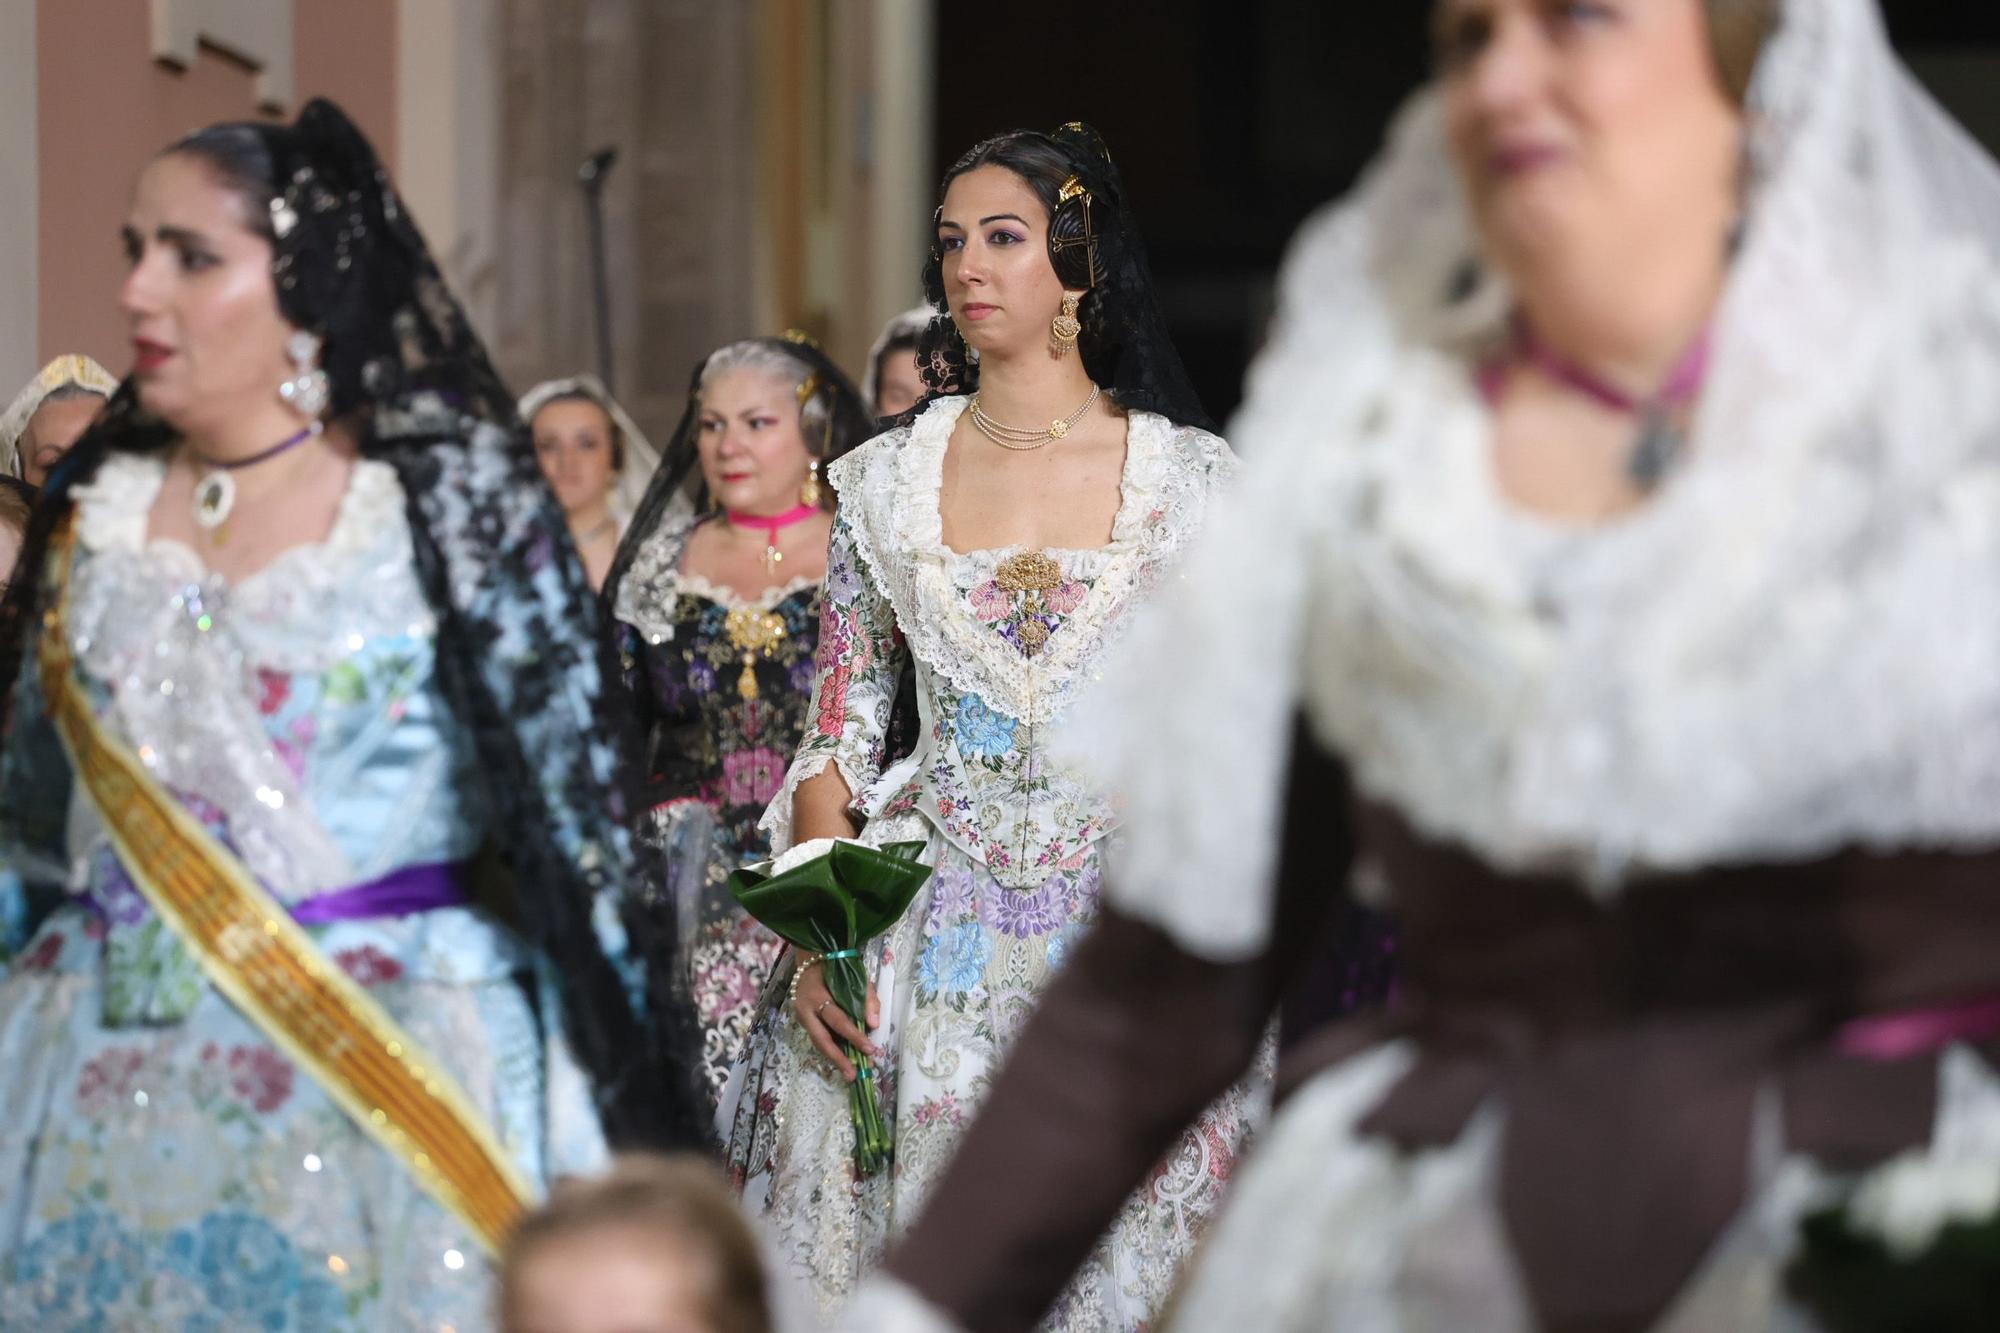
(716, 592)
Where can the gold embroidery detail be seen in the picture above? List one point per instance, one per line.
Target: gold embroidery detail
(1030, 571)
(753, 633)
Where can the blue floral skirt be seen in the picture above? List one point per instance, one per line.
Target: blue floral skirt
(186, 1176)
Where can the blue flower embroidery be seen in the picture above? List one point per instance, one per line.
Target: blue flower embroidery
(250, 1270)
(79, 1268)
(1064, 942)
(954, 959)
(982, 733)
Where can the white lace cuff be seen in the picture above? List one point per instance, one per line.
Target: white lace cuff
(777, 820)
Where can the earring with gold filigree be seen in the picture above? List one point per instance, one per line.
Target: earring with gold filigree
(1070, 228)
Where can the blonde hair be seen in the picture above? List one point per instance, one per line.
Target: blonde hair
(1737, 30)
(680, 1199)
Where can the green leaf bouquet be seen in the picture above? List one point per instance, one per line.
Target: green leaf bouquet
(832, 902)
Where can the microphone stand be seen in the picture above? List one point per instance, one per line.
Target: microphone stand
(590, 176)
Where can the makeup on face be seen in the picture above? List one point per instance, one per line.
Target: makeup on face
(208, 339)
(1584, 121)
(992, 239)
(753, 453)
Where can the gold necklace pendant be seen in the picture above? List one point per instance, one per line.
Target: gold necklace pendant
(752, 633)
(773, 557)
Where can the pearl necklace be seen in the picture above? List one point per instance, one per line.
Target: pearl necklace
(1020, 439)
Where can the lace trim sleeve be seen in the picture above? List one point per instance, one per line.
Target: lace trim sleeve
(858, 663)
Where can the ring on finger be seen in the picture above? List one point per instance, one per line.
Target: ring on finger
(821, 1007)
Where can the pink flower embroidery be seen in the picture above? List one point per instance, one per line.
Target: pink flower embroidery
(836, 632)
(108, 1080)
(833, 702)
(368, 965)
(990, 601)
(1065, 597)
(273, 688)
(722, 989)
(938, 1110)
(43, 956)
(260, 1076)
(751, 777)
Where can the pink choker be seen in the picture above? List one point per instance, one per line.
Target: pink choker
(771, 525)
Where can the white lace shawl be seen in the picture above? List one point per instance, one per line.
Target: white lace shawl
(891, 486)
(178, 649)
(1796, 647)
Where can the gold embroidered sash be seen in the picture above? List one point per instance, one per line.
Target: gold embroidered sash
(270, 968)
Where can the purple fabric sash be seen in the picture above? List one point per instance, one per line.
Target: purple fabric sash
(402, 892)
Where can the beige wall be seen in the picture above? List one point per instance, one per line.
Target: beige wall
(104, 105)
(773, 168)
(20, 175)
(448, 141)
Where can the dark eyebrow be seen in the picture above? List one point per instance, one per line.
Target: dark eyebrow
(132, 236)
(182, 236)
(1004, 217)
(943, 223)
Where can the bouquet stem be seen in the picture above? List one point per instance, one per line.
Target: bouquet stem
(874, 1146)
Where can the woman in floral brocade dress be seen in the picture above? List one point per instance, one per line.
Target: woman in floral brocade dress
(716, 620)
(1000, 566)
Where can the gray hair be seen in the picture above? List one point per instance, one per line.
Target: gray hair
(769, 358)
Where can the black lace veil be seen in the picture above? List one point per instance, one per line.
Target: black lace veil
(1095, 246)
(520, 652)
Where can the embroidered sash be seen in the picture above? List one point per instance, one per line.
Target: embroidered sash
(267, 965)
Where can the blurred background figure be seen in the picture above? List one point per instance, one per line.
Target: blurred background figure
(657, 1245)
(17, 502)
(596, 459)
(716, 594)
(891, 384)
(47, 416)
(1616, 560)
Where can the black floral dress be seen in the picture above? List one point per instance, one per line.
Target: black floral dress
(721, 685)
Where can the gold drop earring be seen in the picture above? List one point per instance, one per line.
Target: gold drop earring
(809, 494)
(1064, 328)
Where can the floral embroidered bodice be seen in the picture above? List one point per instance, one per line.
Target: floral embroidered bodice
(720, 683)
(296, 712)
(1000, 639)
